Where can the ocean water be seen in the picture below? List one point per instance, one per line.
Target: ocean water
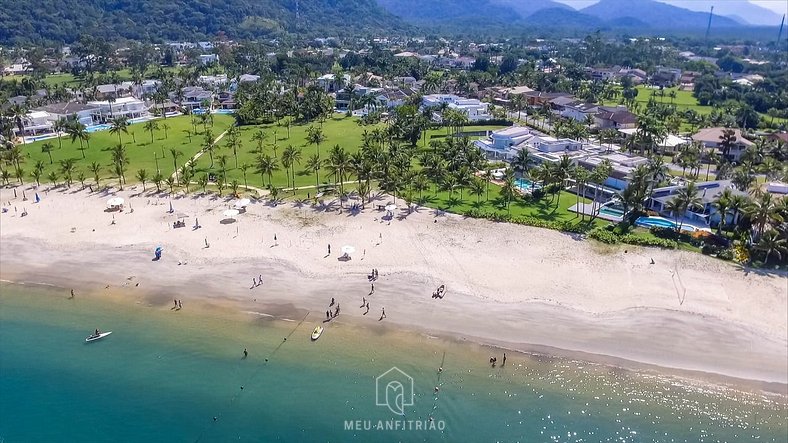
(164, 375)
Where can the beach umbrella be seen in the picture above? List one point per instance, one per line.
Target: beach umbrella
(242, 203)
(115, 202)
(347, 249)
(391, 207)
(231, 213)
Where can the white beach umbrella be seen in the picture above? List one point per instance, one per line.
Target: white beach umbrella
(391, 207)
(347, 249)
(231, 213)
(242, 203)
(115, 201)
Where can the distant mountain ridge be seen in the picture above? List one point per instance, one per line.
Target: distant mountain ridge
(655, 14)
(642, 14)
(66, 20)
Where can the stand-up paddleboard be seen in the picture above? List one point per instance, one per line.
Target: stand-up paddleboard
(94, 337)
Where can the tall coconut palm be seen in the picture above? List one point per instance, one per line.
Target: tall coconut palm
(47, 148)
(142, 176)
(477, 187)
(150, 126)
(59, 126)
(119, 125)
(339, 164)
(267, 165)
(315, 136)
(95, 169)
(245, 167)
(209, 144)
(508, 190)
(737, 204)
(77, 131)
(523, 161)
(175, 154)
(314, 164)
(684, 199)
(722, 206)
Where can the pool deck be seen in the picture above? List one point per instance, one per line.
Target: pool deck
(585, 208)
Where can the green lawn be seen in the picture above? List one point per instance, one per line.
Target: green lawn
(142, 154)
(339, 130)
(684, 100)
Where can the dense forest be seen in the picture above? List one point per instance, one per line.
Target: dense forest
(46, 21)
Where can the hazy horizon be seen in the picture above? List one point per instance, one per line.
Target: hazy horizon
(777, 6)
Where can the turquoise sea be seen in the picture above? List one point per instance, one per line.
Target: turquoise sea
(164, 375)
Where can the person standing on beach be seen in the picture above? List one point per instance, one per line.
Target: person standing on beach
(504, 359)
(180, 304)
(246, 354)
(328, 315)
(372, 289)
(329, 249)
(383, 313)
(72, 293)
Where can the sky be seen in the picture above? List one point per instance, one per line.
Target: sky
(778, 6)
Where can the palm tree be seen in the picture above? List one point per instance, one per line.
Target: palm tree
(202, 181)
(67, 168)
(166, 127)
(259, 137)
(120, 159)
(313, 164)
(118, 126)
(721, 205)
(223, 166)
(47, 148)
(477, 188)
(209, 145)
(52, 177)
(761, 211)
(171, 182)
(245, 167)
(78, 131)
(158, 179)
(737, 204)
(684, 199)
(582, 175)
(315, 136)
(142, 176)
(95, 168)
(523, 161)
(339, 164)
(772, 243)
(150, 126)
(38, 171)
(81, 177)
(508, 190)
(266, 165)
(175, 154)
(60, 125)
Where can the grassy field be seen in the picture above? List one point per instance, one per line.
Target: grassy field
(684, 100)
(143, 154)
(339, 130)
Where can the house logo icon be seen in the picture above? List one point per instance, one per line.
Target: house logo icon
(394, 389)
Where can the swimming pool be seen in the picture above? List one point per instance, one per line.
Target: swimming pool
(95, 128)
(613, 212)
(648, 222)
(526, 185)
(225, 111)
(139, 120)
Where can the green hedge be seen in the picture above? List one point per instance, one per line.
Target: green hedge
(562, 225)
(606, 235)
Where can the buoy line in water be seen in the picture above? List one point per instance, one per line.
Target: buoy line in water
(251, 377)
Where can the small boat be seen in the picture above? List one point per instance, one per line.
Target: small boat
(99, 336)
(317, 332)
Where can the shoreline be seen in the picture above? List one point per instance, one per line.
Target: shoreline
(703, 337)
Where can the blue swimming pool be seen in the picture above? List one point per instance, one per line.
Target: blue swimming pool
(95, 128)
(526, 185)
(225, 111)
(648, 222)
(613, 212)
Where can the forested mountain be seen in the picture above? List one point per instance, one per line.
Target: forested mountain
(65, 20)
(655, 14)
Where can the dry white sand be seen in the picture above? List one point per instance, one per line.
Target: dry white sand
(516, 286)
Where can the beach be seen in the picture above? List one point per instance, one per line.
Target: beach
(516, 287)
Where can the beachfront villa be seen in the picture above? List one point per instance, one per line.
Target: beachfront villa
(708, 192)
(712, 138)
(128, 107)
(34, 123)
(473, 109)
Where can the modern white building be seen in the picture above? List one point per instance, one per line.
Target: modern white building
(128, 107)
(35, 122)
(474, 109)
